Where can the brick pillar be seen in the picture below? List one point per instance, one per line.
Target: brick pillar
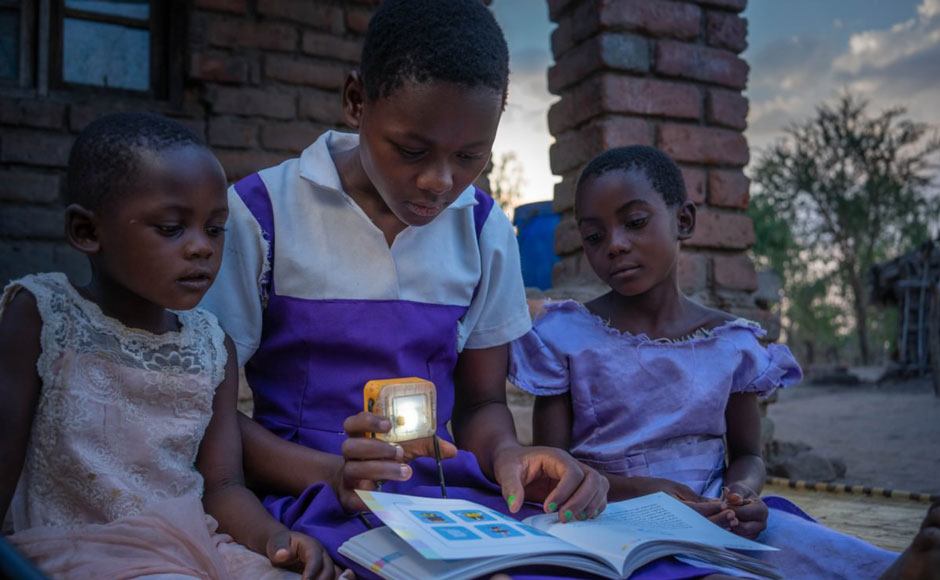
(663, 73)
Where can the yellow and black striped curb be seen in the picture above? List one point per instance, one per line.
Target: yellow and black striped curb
(854, 489)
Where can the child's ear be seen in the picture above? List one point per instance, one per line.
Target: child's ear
(81, 229)
(685, 219)
(353, 98)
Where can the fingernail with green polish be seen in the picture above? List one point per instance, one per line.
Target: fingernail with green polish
(582, 515)
(568, 515)
(552, 506)
(510, 500)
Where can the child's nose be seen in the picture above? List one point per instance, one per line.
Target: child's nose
(199, 246)
(619, 242)
(436, 179)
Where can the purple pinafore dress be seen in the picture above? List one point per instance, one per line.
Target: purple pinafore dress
(307, 376)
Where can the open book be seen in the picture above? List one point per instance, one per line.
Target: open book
(455, 539)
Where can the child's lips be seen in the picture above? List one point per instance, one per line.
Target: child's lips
(425, 210)
(626, 270)
(196, 281)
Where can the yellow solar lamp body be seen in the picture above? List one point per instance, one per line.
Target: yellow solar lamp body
(410, 404)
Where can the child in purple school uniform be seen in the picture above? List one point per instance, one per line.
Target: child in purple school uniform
(372, 256)
(644, 385)
(118, 425)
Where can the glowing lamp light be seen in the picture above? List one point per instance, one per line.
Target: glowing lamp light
(410, 404)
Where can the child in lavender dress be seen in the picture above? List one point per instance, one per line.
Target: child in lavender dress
(643, 381)
(119, 442)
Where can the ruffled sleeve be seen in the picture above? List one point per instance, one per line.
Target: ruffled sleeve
(762, 369)
(535, 368)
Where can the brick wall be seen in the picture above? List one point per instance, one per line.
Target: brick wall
(664, 73)
(262, 79)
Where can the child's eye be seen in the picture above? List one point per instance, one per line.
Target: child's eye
(471, 156)
(215, 231)
(592, 239)
(409, 153)
(169, 230)
(636, 223)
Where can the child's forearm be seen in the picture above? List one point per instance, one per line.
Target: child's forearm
(241, 515)
(746, 473)
(282, 465)
(486, 431)
(482, 422)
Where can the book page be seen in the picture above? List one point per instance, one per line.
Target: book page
(626, 525)
(383, 552)
(458, 529)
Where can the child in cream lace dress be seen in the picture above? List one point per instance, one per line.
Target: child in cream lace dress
(119, 423)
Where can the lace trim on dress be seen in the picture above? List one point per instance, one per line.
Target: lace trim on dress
(695, 336)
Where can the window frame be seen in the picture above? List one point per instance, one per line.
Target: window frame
(25, 79)
(41, 42)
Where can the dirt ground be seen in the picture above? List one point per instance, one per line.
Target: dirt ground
(888, 435)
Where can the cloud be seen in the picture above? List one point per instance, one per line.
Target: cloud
(929, 8)
(895, 65)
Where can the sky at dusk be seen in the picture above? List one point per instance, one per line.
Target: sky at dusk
(801, 52)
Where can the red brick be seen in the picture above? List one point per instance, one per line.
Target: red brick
(563, 195)
(576, 148)
(322, 16)
(606, 51)
(241, 35)
(34, 148)
(80, 116)
(219, 68)
(247, 102)
(735, 272)
(700, 63)
(692, 271)
(322, 107)
(660, 18)
(578, 104)
(725, 30)
(728, 108)
(693, 144)
(358, 20)
(562, 37)
(21, 257)
(238, 164)
(574, 270)
(32, 222)
(301, 72)
(42, 114)
(567, 236)
(557, 7)
(728, 188)
(724, 230)
(232, 132)
(650, 97)
(614, 93)
(233, 6)
(328, 45)
(694, 184)
(28, 186)
(733, 5)
(293, 136)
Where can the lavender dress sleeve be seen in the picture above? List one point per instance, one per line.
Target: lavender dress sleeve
(534, 367)
(762, 369)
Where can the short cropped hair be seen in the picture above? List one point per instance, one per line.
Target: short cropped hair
(663, 173)
(106, 155)
(456, 41)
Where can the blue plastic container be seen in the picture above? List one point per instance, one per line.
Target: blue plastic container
(535, 230)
